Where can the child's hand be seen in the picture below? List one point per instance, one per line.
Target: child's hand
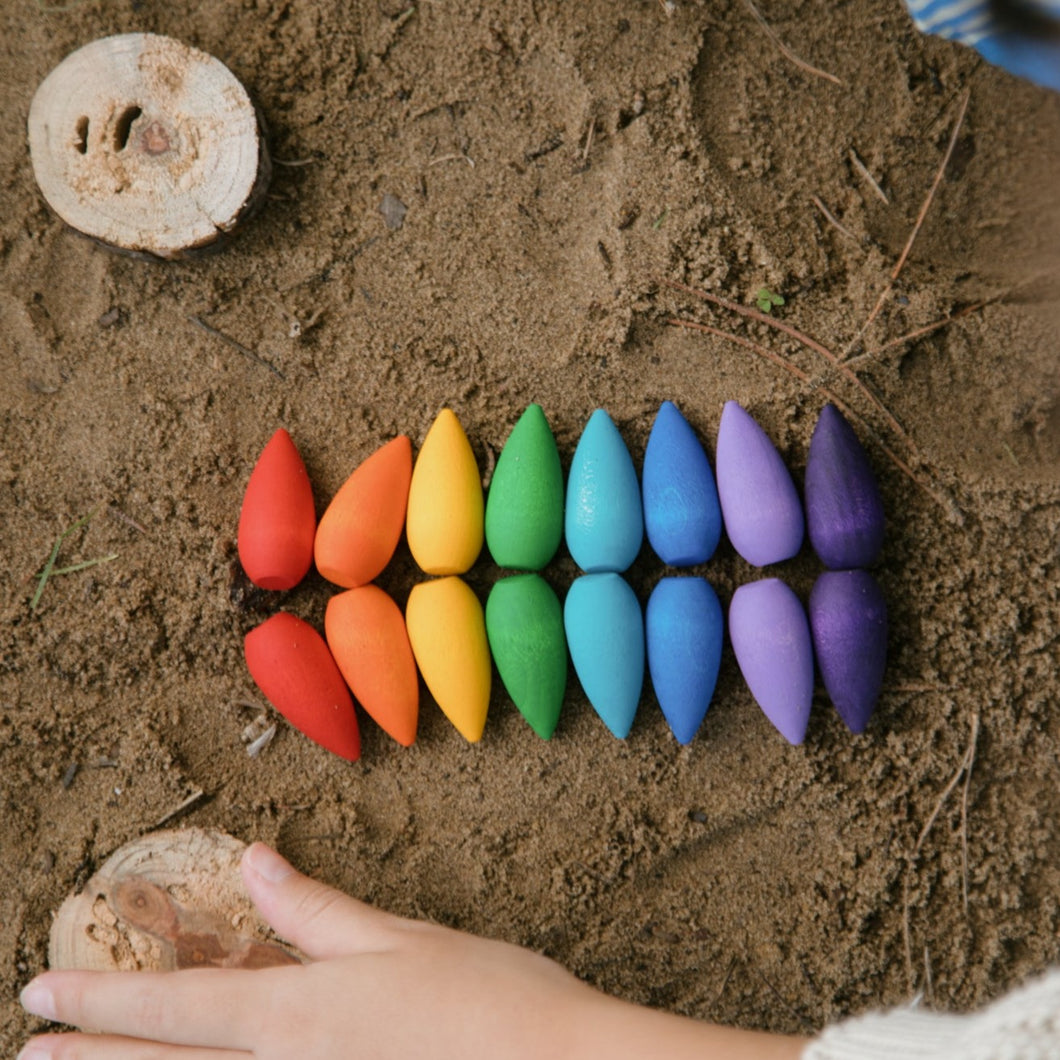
(377, 986)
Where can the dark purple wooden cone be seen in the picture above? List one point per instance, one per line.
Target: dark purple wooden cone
(848, 620)
(844, 511)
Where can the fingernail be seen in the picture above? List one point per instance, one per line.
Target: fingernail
(267, 863)
(39, 1000)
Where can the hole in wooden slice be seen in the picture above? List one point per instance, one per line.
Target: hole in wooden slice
(124, 127)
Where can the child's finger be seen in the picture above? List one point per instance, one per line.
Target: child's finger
(319, 920)
(212, 1008)
(107, 1047)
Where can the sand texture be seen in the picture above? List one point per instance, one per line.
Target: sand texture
(481, 205)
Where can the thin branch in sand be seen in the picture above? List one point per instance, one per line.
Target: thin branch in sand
(807, 341)
(925, 206)
(805, 377)
(785, 50)
(724, 981)
(964, 769)
(762, 318)
(229, 341)
(461, 157)
(869, 178)
(183, 808)
(128, 520)
(832, 219)
(970, 758)
(588, 142)
(917, 333)
(947, 791)
(930, 198)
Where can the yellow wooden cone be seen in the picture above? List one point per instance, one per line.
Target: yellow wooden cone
(445, 512)
(447, 631)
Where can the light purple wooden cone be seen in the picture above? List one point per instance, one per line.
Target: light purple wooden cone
(771, 639)
(759, 503)
(848, 619)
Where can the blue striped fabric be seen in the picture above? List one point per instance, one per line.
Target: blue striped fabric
(973, 22)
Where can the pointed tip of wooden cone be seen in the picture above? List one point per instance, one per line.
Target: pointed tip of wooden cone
(362, 525)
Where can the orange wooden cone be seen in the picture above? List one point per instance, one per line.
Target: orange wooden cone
(359, 531)
(278, 520)
(292, 666)
(367, 636)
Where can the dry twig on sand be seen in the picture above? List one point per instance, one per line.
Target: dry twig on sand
(785, 50)
(842, 365)
(236, 345)
(924, 207)
(965, 770)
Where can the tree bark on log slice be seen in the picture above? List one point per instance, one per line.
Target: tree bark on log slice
(147, 145)
(169, 900)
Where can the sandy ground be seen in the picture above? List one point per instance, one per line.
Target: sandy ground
(558, 163)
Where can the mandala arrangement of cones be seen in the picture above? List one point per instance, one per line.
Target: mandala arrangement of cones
(604, 513)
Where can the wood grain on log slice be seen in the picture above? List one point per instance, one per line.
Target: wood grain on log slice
(147, 145)
(168, 900)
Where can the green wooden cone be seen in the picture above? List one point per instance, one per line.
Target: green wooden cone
(524, 510)
(524, 623)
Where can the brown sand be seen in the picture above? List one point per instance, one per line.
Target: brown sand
(556, 161)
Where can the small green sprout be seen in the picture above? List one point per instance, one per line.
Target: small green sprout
(50, 569)
(766, 299)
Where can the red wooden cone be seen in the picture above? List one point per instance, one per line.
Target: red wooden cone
(292, 666)
(278, 521)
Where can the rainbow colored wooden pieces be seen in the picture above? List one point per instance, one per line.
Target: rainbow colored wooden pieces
(524, 508)
(445, 508)
(844, 510)
(682, 515)
(295, 671)
(447, 631)
(604, 519)
(362, 525)
(605, 634)
(524, 623)
(366, 633)
(278, 520)
(771, 639)
(759, 502)
(684, 626)
(848, 620)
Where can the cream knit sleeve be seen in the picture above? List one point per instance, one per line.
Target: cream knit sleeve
(1023, 1025)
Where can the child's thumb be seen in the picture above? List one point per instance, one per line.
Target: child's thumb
(319, 920)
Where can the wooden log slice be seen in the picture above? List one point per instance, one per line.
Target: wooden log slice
(147, 145)
(169, 900)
